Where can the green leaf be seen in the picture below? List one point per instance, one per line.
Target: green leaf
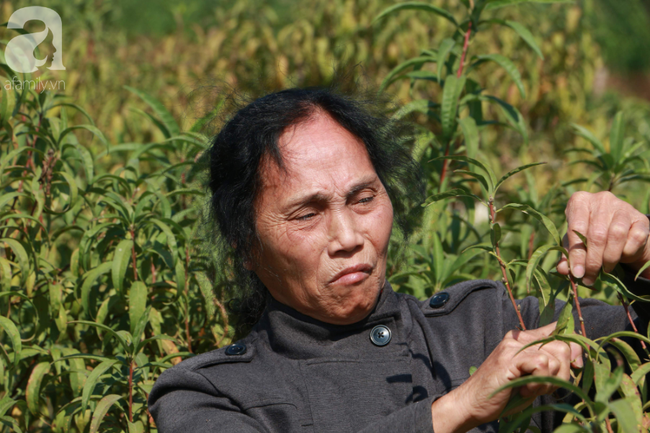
(565, 322)
(20, 253)
(119, 337)
(121, 263)
(33, 392)
(137, 304)
(416, 6)
(512, 115)
(546, 221)
(526, 35)
(169, 126)
(620, 287)
(416, 61)
(421, 105)
(582, 237)
(14, 336)
(450, 94)
(485, 168)
(100, 411)
(93, 377)
(494, 4)
(515, 171)
(445, 48)
(605, 388)
(205, 285)
(443, 195)
(470, 132)
(510, 68)
(624, 413)
(91, 128)
(616, 139)
(89, 281)
(546, 379)
(587, 135)
(478, 177)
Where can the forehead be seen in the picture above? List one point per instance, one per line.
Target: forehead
(317, 153)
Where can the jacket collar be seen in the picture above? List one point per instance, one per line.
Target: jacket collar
(296, 335)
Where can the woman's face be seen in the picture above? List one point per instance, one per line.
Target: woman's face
(323, 224)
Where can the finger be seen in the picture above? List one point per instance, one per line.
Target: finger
(597, 237)
(535, 363)
(617, 235)
(563, 264)
(576, 355)
(578, 215)
(637, 239)
(525, 337)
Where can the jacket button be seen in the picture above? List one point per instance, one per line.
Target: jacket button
(439, 299)
(380, 335)
(236, 349)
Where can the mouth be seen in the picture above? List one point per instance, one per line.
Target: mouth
(352, 274)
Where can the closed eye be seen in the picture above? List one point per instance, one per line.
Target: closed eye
(306, 217)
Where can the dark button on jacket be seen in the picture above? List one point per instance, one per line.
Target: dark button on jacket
(293, 373)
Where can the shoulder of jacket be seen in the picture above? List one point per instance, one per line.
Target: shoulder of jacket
(242, 351)
(445, 301)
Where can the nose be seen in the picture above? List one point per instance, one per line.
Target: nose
(344, 234)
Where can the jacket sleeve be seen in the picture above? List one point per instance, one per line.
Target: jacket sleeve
(183, 400)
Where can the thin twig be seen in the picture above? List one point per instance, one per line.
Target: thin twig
(575, 298)
(503, 269)
(629, 318)
(465, 46)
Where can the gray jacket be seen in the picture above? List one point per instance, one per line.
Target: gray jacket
(293, 373)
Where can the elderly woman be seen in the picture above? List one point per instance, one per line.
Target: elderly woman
(305, 186)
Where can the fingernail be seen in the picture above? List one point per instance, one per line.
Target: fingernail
(587, 282)
(579, 271)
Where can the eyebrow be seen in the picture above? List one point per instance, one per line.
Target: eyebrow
(321, 197)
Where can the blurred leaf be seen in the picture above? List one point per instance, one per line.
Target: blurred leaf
(33, 392)
(450, 94)
(170, 127)
(494, 4)
(515, 171)
(616, 138)
(416, 6)
(92, 380)
(102, 408)
(137, 304)
(14, 336)
(506, 64)
(470, 132)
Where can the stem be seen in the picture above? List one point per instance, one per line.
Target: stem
(465, 46)
(131, 391)
(503, 269)
(187, 304)
(531, 241)
(135, 269)
(444, 167)
(629, 318)
(575, 298)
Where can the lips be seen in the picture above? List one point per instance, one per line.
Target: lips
(352, 274)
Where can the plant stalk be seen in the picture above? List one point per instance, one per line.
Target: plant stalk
(629, 318)
(131, 391)
(503, 269)
(575, 298)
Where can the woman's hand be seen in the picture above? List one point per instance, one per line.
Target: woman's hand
(615, 231)
(470, 404)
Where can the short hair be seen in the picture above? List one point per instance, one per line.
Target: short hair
(236, 152)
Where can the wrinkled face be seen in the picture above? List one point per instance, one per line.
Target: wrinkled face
(323, 224)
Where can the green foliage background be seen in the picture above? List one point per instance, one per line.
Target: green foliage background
(105, 280)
